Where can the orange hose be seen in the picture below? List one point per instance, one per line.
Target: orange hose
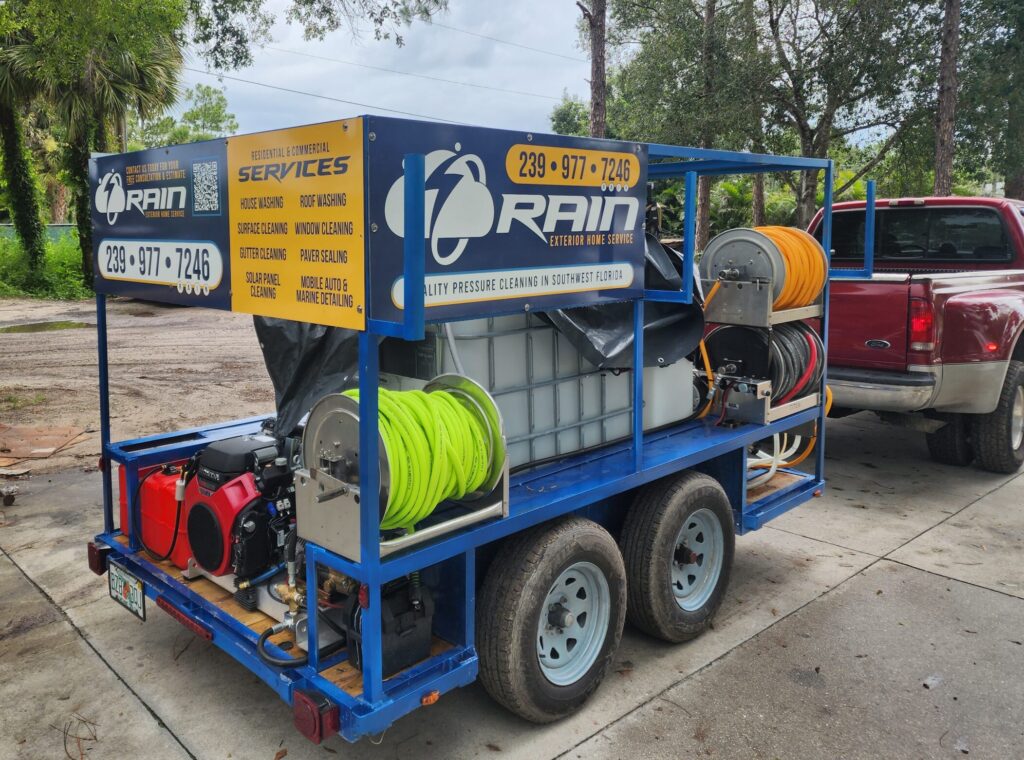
(805, 262)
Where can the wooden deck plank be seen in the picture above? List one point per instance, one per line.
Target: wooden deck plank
(777, 483)
(343, 675)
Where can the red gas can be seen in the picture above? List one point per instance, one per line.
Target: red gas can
(158, 508)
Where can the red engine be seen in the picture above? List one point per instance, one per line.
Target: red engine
(157, 511)
(213, 519)
(237, 509)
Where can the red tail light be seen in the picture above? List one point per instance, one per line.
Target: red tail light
(922, 325)
(98, 557)
(199, 630)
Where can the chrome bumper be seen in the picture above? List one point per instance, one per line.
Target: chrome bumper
(970, 388)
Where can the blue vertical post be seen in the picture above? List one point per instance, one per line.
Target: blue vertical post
(826, 243)
(469, 597)
(369, 515)
(413, 251)
(312, 604)
(101, 350)
(869, 231)
(638, 384)
(689, 232)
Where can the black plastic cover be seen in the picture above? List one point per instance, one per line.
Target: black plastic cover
(604, 334)
(305, 363)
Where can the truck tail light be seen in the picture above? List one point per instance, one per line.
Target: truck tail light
(922, 325)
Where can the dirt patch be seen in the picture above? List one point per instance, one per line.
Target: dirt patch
(170, 368)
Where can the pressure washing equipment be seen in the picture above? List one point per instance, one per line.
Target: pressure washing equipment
(500, 369)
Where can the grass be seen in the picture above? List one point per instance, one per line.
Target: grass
(12, 400)
(60, 276)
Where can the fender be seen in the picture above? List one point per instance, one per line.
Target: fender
(981, 326)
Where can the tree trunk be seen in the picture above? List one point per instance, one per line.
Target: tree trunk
(78, 174)
(945, 118)
(807, 198)
(1015, 183)
(757, 201)
(596, 17)
(707, 61)
(21, 188)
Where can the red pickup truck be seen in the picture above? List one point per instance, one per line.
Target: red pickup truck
(933, 339)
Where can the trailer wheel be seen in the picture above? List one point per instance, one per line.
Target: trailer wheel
(550, 617)
(999, 436)
(950, 444)
(678, 543)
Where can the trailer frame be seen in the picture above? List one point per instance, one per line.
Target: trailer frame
(592, 483)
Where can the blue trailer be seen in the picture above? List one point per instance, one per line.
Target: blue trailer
(529, 584)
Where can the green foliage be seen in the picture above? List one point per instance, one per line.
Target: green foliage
(205, 118)
(571, 117)
(22, 190)
(60, 275)
(227, 30)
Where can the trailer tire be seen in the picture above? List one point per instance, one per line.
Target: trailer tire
(665, 600)
(528, 570)
(951, 444)
(999, 436)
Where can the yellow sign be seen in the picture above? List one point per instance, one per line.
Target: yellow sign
(547, 165)
(297, 239)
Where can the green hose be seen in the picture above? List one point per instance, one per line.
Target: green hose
(436, 449)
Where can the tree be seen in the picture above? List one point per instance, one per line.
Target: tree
(694, 78)
(16, 89)
(225, 31)
(570, 117)
(205, 118)
(847, 68)
(945, 112)
(992, 89)
(596, 16)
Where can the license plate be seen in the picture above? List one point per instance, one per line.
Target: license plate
(127, 590)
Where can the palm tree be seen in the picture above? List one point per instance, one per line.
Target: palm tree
(113, 80)
(16, 88)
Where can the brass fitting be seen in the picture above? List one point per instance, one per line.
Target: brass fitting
(291, 595)
(338, 583)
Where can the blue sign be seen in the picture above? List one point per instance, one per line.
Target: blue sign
(513, 220)
(160, 224)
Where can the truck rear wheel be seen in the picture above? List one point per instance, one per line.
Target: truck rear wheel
(999, 436)
(678, 543)
(550, 617)
(950, 444)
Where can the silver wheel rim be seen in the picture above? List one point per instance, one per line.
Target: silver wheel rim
(1017, 419)
(573, 623)
(697, 559)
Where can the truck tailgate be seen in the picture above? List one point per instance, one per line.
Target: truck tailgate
(868, 322)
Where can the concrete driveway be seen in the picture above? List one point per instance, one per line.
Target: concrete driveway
(885, 619)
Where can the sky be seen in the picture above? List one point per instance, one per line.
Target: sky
(429, 50)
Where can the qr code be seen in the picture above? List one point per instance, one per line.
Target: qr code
(205, 190)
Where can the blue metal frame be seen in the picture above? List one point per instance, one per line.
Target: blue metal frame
(588, 481)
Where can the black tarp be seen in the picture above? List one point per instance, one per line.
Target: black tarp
(604, 334)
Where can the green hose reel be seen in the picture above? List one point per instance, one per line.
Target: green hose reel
(444, 443)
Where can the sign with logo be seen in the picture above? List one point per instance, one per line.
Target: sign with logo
(298, 223)
(269, 224)
(542, 221)
(159, 223)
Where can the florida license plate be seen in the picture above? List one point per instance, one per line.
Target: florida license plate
(127, 590)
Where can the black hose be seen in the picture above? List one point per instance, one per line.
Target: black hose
(290, 542)
(298, 662)
(277, 662)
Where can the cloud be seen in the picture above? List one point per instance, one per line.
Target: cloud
(428, 49)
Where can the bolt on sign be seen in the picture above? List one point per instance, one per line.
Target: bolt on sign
(307, 223)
